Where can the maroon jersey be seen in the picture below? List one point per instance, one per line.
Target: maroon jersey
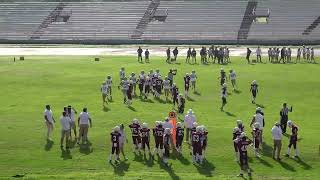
(241, 127)
(159, 131)
(186, 81)
(179, 136)
(145, 133)
(115, 139)
(294, 135)
(196, 138)
(256, 133)
(235, 136)
(242, 145)
(135, 128)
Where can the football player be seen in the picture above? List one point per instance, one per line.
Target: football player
(236, 134)
(129, 93)
(136, 138)
(242, 143)
(133, 78)
(186, 84)
(256, 138)
(193, 79)
(141, 82)
(223, 77)
(166, 87)
(158, 86)
(115, 144)
(145, 137)
(179, 137)
(232, 77)
(293, 139)
(166, 144)
(158, 136)
(204, 140)
(240, 126)
(175, 93)
(122, 140)
(109, 84)
(147, 87)
(224, 94)
(122, 74)
(197, 145)
(104, 92)
(254, 91)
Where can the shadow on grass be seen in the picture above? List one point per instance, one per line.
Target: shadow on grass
(230, 114)
(48, 145)
(160, 100)
(190, 99)
(120, 168)
(260, 105)
(138, 157)
(132, 108)
(85, 148)
(266, 149)
(170, 171)
(183, 160)
(146, 100)
(286, 166)
(302, 163)
(65, 154)
(148, 162)
(237, 91)
(206, 169)
(105, 109)
(264, 162)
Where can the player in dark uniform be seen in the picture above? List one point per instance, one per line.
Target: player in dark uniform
(147, 87)
(293, 139)
(168, 55)
(256, 138)
(145, 138)
(204, 140)
(158, 136)
(175, 53)
(188, 55)
(186, 84)
(115, 144)
(254, 90)
(135, 130)
(194, 55)
(224, 94)
(175, 93)
(236, 134)
(146, 55)
(242, 142)
(139, 51)
(129, 93)
(240, 126)
(158, 86)
(197, 145)
(223, 77)
(179, 137)
(166, 144)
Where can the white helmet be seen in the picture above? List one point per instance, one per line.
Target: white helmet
(167, 131)
(224, 84)
(239, 122)
(144, 125)
(166, 119)
(195, 124)
(190, 112)
(277, 124)
(179, 124)
(187, 74)
(254, 82)
(259, 109)
(198, 129)
(203, 128)
(236, 129)
(243, 134)
(221, 69)
(256, 125)
(157, 123)
(289, 123)
(135, 121)
(116, 129)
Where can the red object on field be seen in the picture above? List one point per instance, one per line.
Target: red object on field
(173, 121)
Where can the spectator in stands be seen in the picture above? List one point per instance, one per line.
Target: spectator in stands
(188, 55)
(269, 54)
(194, 55)
(168, 55)
(175, 53)
(298, 55)
(308, 54)
(146, 56)
(258, 52)
(312, 55)
(282, 55)
(304, 50)
(248, 55)
(139, 51)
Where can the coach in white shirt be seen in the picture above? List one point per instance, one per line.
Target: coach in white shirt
(83, 122)
(277, 137)
(49, 120)
(258, 52)
(65, 129)
(189, 119)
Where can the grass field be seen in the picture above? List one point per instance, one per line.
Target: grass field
(26, 86)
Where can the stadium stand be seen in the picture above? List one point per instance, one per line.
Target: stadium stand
(224, 21)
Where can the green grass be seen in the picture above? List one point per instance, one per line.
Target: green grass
(26, 86)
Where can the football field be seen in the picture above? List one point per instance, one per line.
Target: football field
(27, 86)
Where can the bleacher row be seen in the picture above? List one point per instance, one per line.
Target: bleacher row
(187, 20)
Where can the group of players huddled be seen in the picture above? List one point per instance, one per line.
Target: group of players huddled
(167, 139)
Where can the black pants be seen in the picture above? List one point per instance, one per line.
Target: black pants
(181, 109)
(284, 120)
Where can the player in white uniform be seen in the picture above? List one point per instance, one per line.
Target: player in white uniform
(133, 78)
(109, 84)
(232, 77)
(157, 73)
(124, 85)
(122, 74)
(122, 140)
(166, 87)
(193, 79)
(104, 91)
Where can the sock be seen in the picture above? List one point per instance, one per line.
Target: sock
(249, 171)
(241, 171)
(117, 157)
(288, 152)
(296, 152)
(193, 158)
(201, 158)
(110, 157)
(155, 150)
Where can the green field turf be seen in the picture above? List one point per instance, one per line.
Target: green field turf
(27, 86)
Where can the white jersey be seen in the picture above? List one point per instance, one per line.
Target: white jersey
(125, 85)
(258, 52)
(133, 79)
(233, 76)
(109, 82)
(166, 84)
(258, 118)
(122, 136)
(104, 89)
(193, 77)
(142, 77)
(122, 74)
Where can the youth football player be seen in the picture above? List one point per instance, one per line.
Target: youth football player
(145, 138)
(197, 146)
(179, 137)
(158, 136)
(193, 79)
(204, 140)
(242, 143)
(109, 85)
(166, 144)
(224, 94)
(166, 87)
(122, 140)
(135, 130)
(293, 139)
(122, 74)
(233, 77)
(256, 138)
(141, 82)
(104, 91)
(115, 144)
(236, 134)
(254, 91)
(186, 84)
(133, 78)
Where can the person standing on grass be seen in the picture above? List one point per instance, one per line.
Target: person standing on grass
(284, 117)
(181, 103)
(186, 84)
(242, 143)
(175, 93)
(312, 55)
(166, 144)
(139, 51)
(122, 140)
(289, 55)
(194, 55)
(175, 53)
(109, 85)
(171, 73)
(269, 54)
(304, 51)
(115, 136)
(258, 118)
(259, 53)
(189, 119)
(308, 54)
(193, 79)
(146, 55)
(49, 120)
(65, 129)
(233, 77)
(277, 137)
(293, 139)
(224, 94)
(179, 137)
(298, 55)
(254, 91)
(83, 122)
(166, 87)
(104, 92)
(248, 55)
(71, 114)
(168, 55)
(122, 74)
(188, 56)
